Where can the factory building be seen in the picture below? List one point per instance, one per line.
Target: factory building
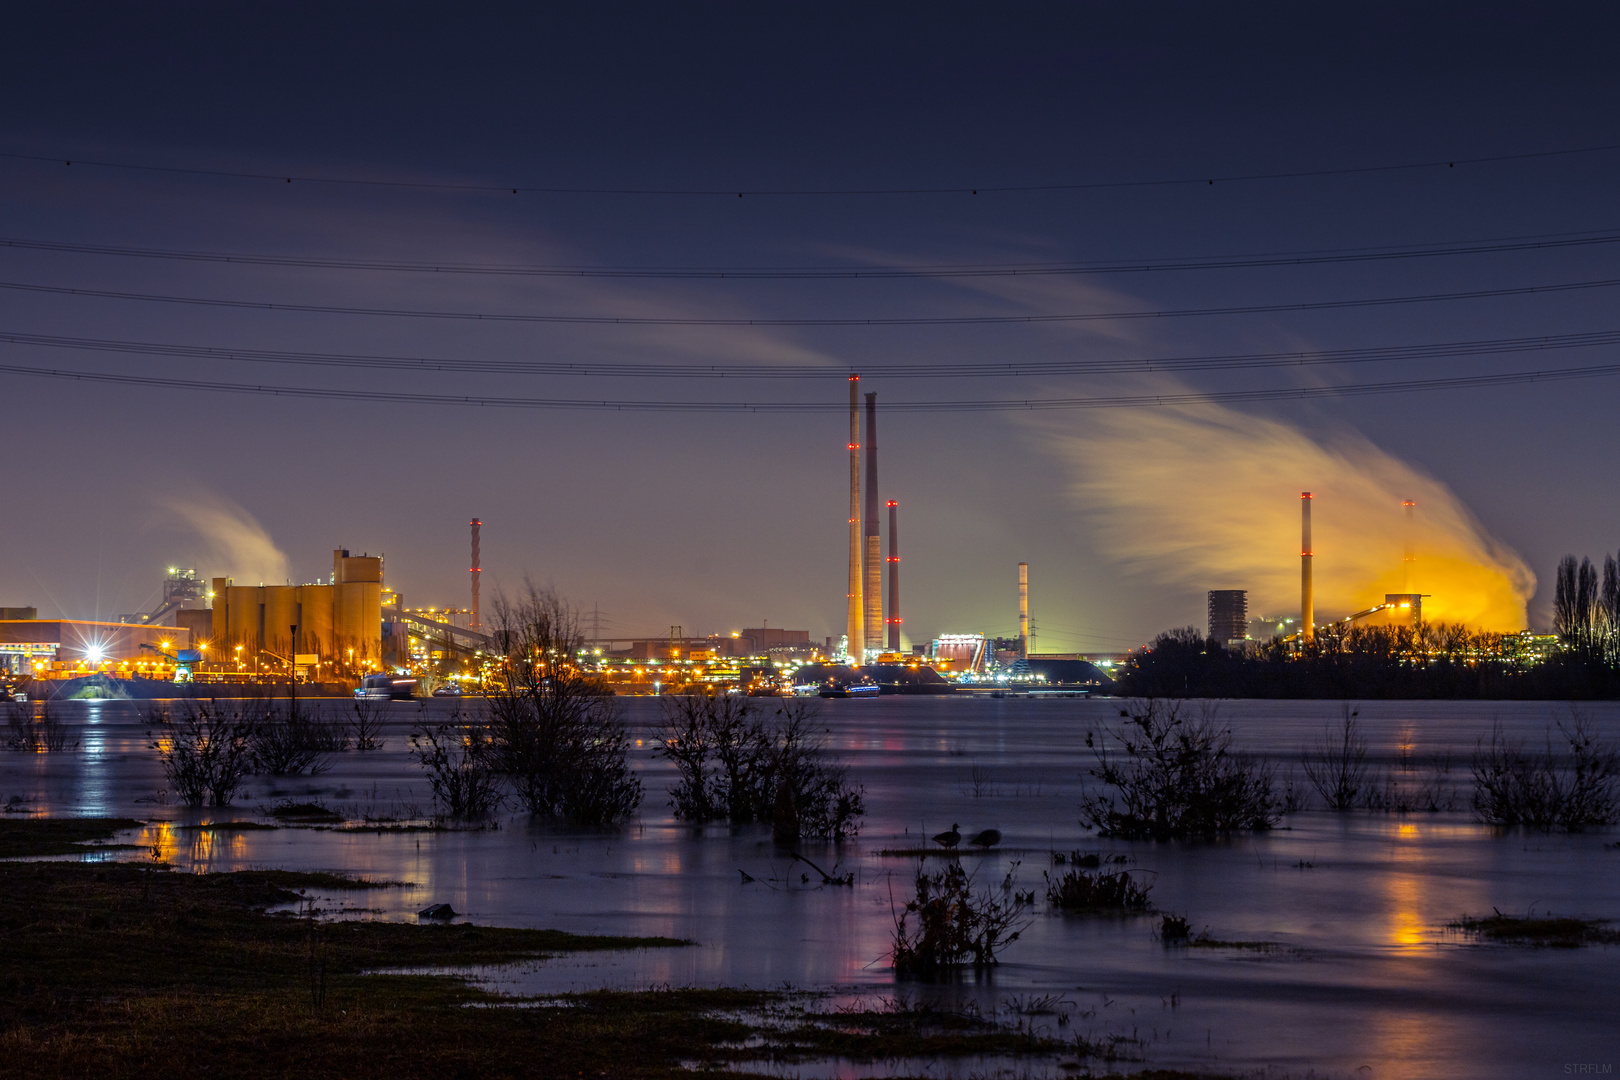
(339, 621)
(1228, 615)
(31, 646)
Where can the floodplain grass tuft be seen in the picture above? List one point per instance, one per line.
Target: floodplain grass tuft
(1097, 892)
(1539, 931)
(290, 811)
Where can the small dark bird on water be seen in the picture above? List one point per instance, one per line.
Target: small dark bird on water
(987, 839)
(949, 839)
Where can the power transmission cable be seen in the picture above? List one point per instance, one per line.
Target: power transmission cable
(931, 371)
(1205, 180)
(845, 273)
(910, 320)
(1025, 405)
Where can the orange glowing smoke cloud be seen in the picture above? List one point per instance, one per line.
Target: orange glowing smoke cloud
(1208, 498)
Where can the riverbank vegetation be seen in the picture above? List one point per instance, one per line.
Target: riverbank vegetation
(1430, 661)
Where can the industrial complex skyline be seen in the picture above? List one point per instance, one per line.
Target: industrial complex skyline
(1287, 251)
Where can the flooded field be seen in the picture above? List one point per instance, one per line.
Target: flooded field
(1327, 949)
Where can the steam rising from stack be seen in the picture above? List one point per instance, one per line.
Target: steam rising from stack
(241, 546)
(1189, 495)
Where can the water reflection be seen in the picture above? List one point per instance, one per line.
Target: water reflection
(1363, 976)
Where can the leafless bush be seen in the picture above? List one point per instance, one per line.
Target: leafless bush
(365, 726)
(1338, 766)
(1416, 787)
(980, 777)
(295, 739)
(947, 925)
(205, 750)
(738, 761)
(1513, 786)
(37, 728)
(556, 731)
(1173, 777)
(714, 741)
(457, 757)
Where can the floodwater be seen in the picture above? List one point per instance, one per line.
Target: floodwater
(1359, 976)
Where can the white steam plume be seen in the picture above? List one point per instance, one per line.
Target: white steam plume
(1208, 498)
(240, 544)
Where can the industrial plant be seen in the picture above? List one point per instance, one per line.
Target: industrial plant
(334, 632)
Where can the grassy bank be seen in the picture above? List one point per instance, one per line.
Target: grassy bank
(127, 970)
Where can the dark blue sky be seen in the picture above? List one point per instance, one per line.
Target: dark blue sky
(717, 521)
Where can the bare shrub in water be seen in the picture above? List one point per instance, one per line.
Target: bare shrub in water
(1172, 777)
(1337, 768)
(715, 743)
(1416, 787)
(458, 758)
(295, 739)
(365, 725)
(37, 728)
(947, 925)
(739, 762)
(205, 749)
(556, 731)
(1513, 786)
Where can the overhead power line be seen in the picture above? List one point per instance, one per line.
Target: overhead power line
(911, 320)
(739, 191)
(1000, 369)
(843, 273)
(1124, 401)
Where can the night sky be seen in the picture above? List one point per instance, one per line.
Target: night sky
(720, 520)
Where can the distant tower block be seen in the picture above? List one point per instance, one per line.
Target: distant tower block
(855, 616)
(1409, 558)
(1023, 609)
(475, 572)
(1307, 588)
(893, 619)
(1228, 615)
(872, 583)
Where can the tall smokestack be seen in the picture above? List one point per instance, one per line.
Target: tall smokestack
(855, 624)
(1408, 560)
(1023, 609)
(872, 593)
(475, 572)
(1307, 589)
(894, 577)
